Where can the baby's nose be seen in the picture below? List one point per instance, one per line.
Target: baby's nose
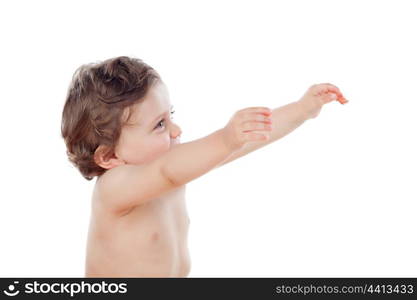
(175, 131)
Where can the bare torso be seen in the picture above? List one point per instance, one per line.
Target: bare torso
(148, 241)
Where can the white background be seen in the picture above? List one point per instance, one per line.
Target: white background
(336, 197)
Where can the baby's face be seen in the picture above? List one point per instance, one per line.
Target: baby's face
(150, 131)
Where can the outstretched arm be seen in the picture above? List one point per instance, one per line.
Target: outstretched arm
(286, 118)
(128, 185)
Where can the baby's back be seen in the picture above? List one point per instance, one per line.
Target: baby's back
(149, 240)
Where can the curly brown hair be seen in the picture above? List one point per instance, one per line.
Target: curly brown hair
(94, 110)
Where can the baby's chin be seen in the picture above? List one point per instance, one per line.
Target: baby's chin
(175, 142)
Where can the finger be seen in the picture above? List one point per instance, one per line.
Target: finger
(332, 96)
(249, 117)
(329, 97)
(259, 109)
(253, 137)
(328, 87)
(250, 126)
(342, 100)
(333, 89)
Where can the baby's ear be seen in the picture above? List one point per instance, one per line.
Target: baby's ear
(106, 158)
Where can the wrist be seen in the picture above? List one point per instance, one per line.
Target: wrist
(308, 108)
(228, 143)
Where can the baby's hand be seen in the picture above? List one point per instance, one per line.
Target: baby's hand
(318, 95)
(242, 126)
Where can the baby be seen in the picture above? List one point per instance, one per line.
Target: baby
(118, 127)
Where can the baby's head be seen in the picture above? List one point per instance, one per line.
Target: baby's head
(116, 112)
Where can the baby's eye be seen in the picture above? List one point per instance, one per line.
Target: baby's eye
(159, 124)
(163, 120)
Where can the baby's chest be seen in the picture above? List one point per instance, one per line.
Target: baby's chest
(165, 216)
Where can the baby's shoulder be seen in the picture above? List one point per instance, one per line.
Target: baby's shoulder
(110, 187)
(114, 182)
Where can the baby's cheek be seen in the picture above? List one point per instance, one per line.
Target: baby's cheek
(164, 144)
(159, 145)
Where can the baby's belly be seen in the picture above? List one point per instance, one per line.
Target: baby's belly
(146, 243)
